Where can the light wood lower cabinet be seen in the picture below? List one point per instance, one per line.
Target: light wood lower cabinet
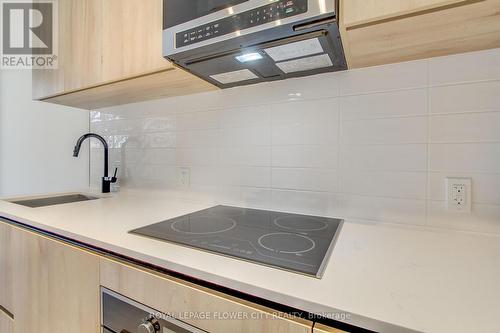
(6, 260)
(55, 286)
(178, 297)
(6, 323)
(319, 328)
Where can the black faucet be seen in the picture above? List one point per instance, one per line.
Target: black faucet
(106, 181)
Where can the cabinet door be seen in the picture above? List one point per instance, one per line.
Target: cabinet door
(80, 50)
(132, 38)
(5, 269)
(56, 286)
(359, 12)
(461, 27)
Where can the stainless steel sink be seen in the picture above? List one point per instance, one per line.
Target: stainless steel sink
(56, 200)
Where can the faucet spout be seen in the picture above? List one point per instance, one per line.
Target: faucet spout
(106, 180)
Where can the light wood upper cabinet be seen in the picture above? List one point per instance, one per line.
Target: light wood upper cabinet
(132, 38)
(79, 54)
(56, 286)
(376, 32)
(362, 12)
(110, 53)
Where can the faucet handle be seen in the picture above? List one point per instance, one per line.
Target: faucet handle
(114, 179)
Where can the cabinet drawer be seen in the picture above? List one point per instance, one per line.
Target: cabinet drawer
(190, 302)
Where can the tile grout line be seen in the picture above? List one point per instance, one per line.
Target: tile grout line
(428, 146)
(271, 159)
(339, 147)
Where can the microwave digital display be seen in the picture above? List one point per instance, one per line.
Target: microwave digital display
(261, 15)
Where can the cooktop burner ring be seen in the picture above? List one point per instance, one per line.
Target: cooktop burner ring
(323, 224)
(218, 219)
(311, 246)
(234, 212)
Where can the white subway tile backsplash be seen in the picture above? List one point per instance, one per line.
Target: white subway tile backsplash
(245, 196)
(245, 136)
(472, 97)
(159, 124)
(202, 175)
(467, 67)
(305, 179)
(385, 131)
(324, 112)
(388, 104)
(155, 140)
(467, 157)
(245, 176)
(197, 120)
(197, 156)
(384, 78)
(409, 185)
(373, 143)
(395, 210)
(198, 138)
(312, 156)
(306, 202)
(466, 127)
(126, 156)
(250, 156)
(409, 157)
(304, 133)
(251, 116)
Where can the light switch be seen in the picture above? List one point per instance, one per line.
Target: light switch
(458, 194)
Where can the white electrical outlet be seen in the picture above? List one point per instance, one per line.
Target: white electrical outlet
(458, 194)
(185, 177)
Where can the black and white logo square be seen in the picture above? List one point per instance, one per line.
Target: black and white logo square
(29, 34)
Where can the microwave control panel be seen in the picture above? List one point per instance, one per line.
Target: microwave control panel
(274, 11)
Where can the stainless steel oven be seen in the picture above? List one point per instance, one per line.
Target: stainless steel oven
(235, 42)
(123, 315)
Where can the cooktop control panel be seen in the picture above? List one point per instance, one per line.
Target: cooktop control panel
(257, 16)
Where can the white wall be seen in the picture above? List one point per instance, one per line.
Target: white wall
(37, 140)
(372, 143)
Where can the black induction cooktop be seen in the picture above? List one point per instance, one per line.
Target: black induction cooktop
(298, 243)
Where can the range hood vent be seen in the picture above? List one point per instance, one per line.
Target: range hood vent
(290, 47)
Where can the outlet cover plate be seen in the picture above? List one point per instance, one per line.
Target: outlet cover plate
(458, 194)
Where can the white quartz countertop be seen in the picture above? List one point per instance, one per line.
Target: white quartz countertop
(384, 275)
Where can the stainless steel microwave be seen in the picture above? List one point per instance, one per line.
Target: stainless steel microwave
(237, 42)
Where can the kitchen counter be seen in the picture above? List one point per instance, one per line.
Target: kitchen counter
(387, 277)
